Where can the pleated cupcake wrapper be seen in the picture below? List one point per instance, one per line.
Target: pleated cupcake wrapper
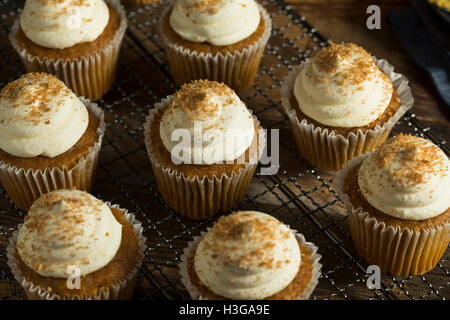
(197, 197)
(397, 251)
(89, 76)
(23, 186)
(196, 295)
(122, 290)
(236, 68)
(330, 151)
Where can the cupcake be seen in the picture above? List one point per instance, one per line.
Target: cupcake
(204, 146)
(219, 40)
(78, 41)
(343, 103)
(398, 200)
(73, 246)
(50, 138)
(250, 255)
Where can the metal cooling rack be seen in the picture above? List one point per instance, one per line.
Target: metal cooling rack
(299, 195)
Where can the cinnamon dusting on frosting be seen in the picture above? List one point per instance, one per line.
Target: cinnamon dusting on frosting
(69, 226)
(418, 159)
(246, 227)
(362, 67)
(62, 230)
(36, 91)
(78, 3)
(193, 98)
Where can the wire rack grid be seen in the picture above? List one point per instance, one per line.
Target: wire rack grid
(298, 194)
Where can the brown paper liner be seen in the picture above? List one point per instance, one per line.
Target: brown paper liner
(330, 151)
(197, 198)
(397, 251)
(123, 290)
(236, 68)
(195, 294)
(89, 76)
(23, 186)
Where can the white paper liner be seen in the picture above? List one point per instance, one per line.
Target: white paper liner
(23, 186)
(198, 197)
(88, 76)
(123, 290)
(236, 68)
(397, 251)
(195, 294)
(331, 151)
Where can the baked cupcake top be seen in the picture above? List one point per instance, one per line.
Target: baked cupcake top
(60, 24)
(342, 87)
(39, 115)
(218, 22)
(407, 177)
(247, 255)
(68, 228)
(206, 123)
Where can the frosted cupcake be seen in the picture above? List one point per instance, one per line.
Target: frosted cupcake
(204, 147)
(343, 103)
(74, 246)
(50, 139)
(250, 255)
(78, 41)
(220, 40)
(398, 200)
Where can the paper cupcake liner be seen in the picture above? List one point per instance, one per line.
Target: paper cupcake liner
(330, 151)
(198, 197)
(88, 76)
(236, 68)
(195, 294)
(23, 186)
(397, 251)
(123, 290)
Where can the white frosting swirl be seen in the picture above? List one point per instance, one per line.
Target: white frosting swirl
(215, 124)
(407, 178)
(68, 228)
(218, 22)
(39, 115)
(342, 87)
(60, 24)
(247, 255)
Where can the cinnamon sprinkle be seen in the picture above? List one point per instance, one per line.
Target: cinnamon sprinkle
(361, 68)
(77, 3)
(70, 224)
(34, 92)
